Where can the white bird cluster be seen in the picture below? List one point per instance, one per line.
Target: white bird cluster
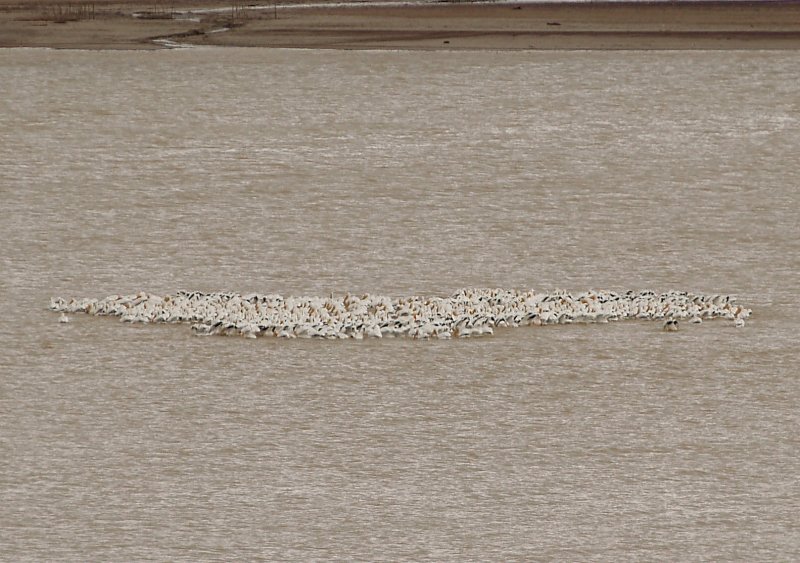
(468, 312)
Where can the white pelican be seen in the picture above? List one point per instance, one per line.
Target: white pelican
(468, 312)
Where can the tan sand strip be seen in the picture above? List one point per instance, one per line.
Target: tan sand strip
(460, 25)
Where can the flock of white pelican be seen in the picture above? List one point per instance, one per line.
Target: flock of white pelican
(468, 312)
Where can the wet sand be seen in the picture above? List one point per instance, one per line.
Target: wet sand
(104, 24)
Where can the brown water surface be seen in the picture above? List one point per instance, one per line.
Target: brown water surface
(306, 173)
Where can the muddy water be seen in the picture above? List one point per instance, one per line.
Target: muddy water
(310, 173)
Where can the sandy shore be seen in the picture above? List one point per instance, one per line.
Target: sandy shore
(107, 24)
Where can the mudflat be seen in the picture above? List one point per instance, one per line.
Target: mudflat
(154, 24)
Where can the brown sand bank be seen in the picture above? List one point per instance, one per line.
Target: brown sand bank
(463, 25)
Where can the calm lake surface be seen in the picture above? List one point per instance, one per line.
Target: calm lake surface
(399, 173)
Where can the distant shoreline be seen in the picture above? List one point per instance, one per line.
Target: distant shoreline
(544, 25)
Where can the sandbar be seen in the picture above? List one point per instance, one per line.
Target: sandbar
(324, 24)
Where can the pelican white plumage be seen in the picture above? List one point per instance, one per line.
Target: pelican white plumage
(468, 312)
(63, 319)
(373, 330)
